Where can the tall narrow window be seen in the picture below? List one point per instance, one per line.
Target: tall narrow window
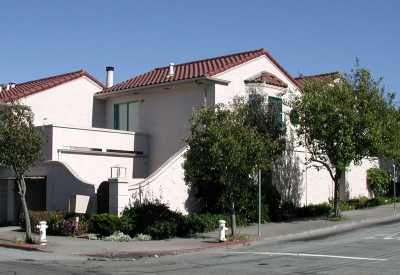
(276, 102)
(126, 116)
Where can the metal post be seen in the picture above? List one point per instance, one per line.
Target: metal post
(394, 185)
(259, 202)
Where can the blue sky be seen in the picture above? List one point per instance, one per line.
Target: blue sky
(46, 38)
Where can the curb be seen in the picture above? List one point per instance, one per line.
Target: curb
(352, 225)
(25, 247)
(124, 255)
(158, 253)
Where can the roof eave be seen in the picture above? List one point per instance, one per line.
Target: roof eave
(206, 79)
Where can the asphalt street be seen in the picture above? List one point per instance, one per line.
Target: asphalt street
(372, 249)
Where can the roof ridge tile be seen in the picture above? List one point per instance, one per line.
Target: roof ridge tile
(200, 68)
(34, 86)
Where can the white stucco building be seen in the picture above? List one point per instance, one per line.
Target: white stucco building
(106, 141)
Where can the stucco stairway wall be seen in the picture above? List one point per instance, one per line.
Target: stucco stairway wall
(167, 185)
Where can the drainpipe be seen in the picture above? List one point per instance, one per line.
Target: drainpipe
(205, 92)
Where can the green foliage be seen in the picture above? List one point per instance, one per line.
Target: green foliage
(390, 192)
(380, 200)
(59, 223)
(344, 119)
(158, 221)
(106, 224)
(216, 201)
(272, 197)
(206, 222)
(378, 180)
(311, 210)
(154, 219)
(360, 199)
(365, 202)
(20, 147)
(20, 141)
(288, 207)
(262, 115)
(227, 147)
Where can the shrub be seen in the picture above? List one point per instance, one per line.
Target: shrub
(154, 219)
(314, 210)
(59, 223)
(360, 199)
(200, 223)
(158, 221)
(273, 199)
(106, 224)
(378, 180)
(288, 207)
(390, 192)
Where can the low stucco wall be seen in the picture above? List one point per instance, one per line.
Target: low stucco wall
(62, 182)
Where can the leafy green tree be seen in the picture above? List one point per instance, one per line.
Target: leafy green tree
(20, 147)
(378, 180)
(221, 148)
(343, 120)
(264, 116)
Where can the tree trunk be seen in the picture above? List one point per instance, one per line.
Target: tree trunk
(22, 193)
(336, 209)
(232, 205)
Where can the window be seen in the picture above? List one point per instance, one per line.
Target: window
(276, 102)
(126, 116)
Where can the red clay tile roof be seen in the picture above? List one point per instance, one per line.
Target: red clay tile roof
(268, 78)
(323, 77)
(202, 68)
(31, 87)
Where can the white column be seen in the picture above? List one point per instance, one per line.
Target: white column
(119, 197)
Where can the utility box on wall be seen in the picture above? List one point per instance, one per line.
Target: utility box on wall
(78, 203)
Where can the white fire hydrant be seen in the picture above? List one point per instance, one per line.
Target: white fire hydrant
(42, 231)
(221, 230)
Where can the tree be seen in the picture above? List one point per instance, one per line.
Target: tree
(221, 148)
(20, 147)
(264, 116)
(343, 120)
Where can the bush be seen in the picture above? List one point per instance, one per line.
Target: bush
(272, 197)
(200, 223)
(154, 219)
(106, 224)
(288, 207)
(215, 200)
(390, 192)
(378, 180)
(158, 221)
(60, 223)
(314, 210)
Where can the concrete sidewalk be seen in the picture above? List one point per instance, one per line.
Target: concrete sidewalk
(198, 242)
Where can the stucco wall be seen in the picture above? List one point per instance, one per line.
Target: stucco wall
(61, 183)
(356, 179)
(91, 167)
(167, 185)
(70, 103)
(163, 115)
(238, 74)
(312, 186)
